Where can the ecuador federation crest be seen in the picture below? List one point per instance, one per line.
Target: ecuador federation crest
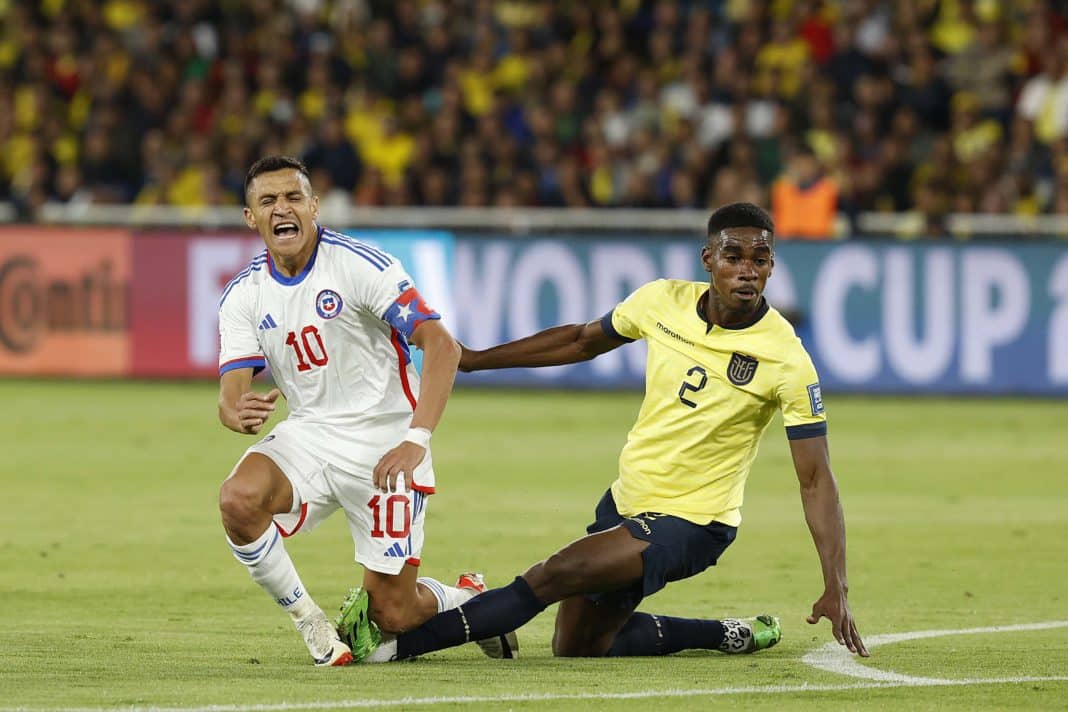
(741, 369)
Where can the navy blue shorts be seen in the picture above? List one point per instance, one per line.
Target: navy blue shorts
(677, 549)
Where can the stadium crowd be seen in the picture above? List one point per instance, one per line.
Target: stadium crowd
(923, 106)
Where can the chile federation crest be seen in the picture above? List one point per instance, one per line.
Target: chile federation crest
(741, 369)
(328, 303)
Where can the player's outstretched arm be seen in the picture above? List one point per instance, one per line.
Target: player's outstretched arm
(441, 354)
(552, 347)
(240, 408)
(823, 512)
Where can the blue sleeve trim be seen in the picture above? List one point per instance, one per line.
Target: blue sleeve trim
(807, 430)
(256, 364)
(606, 326)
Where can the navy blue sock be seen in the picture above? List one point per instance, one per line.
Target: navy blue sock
(493, 613)
(646, 634)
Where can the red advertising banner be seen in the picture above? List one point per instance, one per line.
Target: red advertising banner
(63, 301)
(79, 302)
(174, 299)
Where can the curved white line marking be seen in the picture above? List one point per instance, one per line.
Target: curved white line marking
(835, 658)
(831, 657)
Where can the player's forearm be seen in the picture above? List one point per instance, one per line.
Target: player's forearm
(552, 347)
(823, 513)
(440, 359)
(230, 389)
(228, 415)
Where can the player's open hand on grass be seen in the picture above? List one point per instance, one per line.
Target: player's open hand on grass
(399, 462)
(253, 409)
(834, 606)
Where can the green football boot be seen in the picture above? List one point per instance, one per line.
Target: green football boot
(743, 635)
(355, 627)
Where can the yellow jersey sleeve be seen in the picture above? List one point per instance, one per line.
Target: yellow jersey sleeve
(624, 322)
(800, 398)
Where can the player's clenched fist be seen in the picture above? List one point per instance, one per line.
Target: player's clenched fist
(253, 409)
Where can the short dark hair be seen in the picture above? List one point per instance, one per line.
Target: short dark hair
(740, 215)
(267, 164)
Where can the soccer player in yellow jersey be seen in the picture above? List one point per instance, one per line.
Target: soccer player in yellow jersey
(721, 362)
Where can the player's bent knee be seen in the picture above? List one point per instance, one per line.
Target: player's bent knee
(565, 646)
(240, 501)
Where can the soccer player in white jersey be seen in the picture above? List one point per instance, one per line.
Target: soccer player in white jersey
(333, 317)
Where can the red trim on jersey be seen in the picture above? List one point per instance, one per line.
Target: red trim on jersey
(402, 364)
(412, 562)
(422, 488)
(300, 522)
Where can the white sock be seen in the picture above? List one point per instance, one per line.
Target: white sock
(384, 653)
(270, 566)
(448, 597)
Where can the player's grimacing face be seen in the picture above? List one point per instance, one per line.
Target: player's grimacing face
(282, 208)
(740, 260)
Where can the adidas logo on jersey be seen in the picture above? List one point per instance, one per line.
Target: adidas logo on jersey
(267, 323)
(395, 550)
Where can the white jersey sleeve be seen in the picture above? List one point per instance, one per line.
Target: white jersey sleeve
(393, 298)
(239, 346)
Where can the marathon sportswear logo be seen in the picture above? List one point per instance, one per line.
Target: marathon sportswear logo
(328, 303)
(641, 523)
(268, 322)
(673, 334)
(741, 369)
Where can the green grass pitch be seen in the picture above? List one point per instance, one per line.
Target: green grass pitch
(119, 590)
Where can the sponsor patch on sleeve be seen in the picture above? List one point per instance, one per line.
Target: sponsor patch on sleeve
(815, 399)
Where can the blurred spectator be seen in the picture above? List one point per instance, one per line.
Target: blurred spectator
(804, 201)
(333, 153)
(1044, 98)
(921, 106)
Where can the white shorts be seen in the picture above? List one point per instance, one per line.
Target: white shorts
(386, 527)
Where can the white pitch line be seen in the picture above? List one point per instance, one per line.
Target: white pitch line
(835, 658)
(551, 697)
(831, 657)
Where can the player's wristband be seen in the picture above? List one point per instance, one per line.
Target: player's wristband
(419, 436)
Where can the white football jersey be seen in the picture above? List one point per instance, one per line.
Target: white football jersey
(336, 338)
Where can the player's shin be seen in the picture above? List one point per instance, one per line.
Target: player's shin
(645, 634)
(493, 613)
(447, 597)
(269, 564)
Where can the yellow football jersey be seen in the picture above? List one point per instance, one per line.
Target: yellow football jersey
(709, 394)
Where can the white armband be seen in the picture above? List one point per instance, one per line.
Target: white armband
(419, 436)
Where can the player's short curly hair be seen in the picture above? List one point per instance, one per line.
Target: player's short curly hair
(740, 215)
(268, 164)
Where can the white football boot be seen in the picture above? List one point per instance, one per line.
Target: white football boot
(322, 640)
